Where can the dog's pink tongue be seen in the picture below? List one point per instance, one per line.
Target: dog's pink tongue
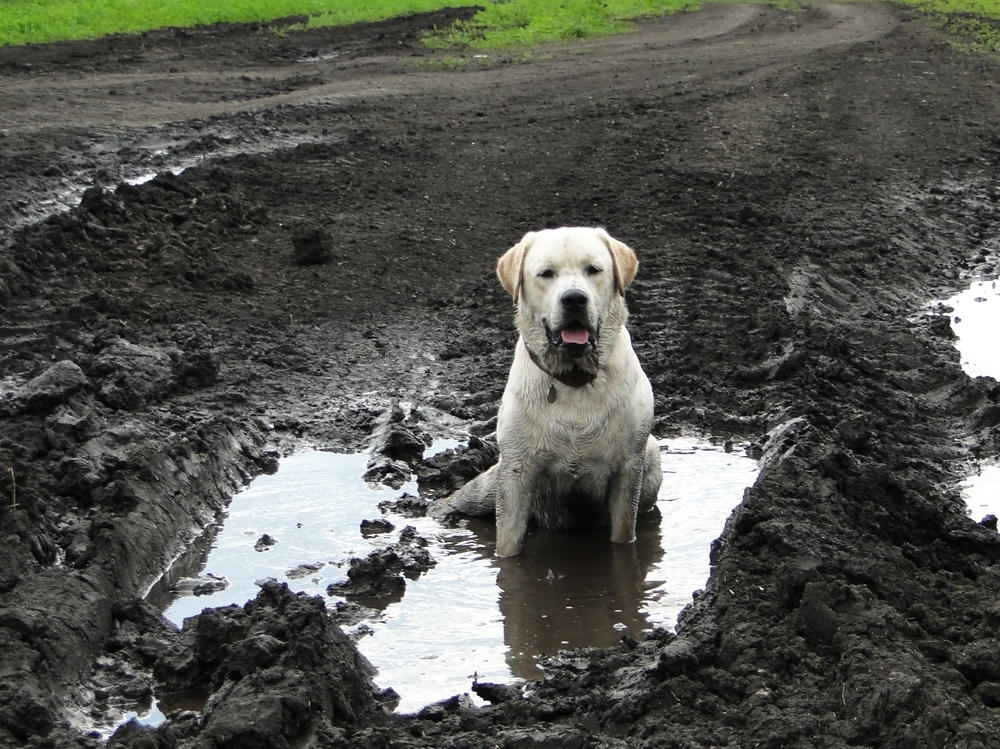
(575, 334)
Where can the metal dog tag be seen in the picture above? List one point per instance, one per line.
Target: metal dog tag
(551, 395)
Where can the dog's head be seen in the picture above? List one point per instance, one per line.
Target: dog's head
(569, 287)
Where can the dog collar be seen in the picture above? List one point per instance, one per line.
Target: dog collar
(575, 378)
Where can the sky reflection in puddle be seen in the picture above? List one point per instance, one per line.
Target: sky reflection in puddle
(975, 317)
(471, 615)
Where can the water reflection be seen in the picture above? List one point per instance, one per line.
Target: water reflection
(311, 510)
(471, 615)
(568, 590)
(975, 314)
(186, 568)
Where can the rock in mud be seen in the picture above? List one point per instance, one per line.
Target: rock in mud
(304, 570)
(496, 693)
(385, 470)
(312, 245)
(265, 542)
(52, 387)
(402, 443)
(407, 505)
(375, 527)
(68, 426)
(383, 571)
(132, 375)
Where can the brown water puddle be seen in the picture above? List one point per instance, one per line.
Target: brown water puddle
(471, 615)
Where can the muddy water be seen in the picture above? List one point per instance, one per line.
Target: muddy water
(470, 616)
(975, 318)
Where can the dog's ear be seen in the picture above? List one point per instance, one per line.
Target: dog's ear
(623, 259)
(511, 263)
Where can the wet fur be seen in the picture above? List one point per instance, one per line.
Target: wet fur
(586, 458)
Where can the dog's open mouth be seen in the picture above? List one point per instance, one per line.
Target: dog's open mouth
(574, 338)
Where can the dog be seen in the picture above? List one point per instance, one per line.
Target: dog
(576, 414)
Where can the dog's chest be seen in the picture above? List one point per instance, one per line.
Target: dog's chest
(573, 431)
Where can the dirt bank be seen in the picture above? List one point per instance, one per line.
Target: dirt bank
(796, 184)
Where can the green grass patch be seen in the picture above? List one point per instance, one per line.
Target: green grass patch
(34, 21)
(971, 24)
(502, 24)
(976, 34)
(517, 23)
(985, 8)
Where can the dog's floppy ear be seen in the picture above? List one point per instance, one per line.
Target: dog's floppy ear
(511, 263)
(624, 260)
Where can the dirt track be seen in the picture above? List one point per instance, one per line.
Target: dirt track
(797, 185)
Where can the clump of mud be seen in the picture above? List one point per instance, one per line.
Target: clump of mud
(385, 570)
(274, 672)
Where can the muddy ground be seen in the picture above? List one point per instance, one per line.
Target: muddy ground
(797, 184)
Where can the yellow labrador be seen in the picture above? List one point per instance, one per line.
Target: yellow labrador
(575, 418)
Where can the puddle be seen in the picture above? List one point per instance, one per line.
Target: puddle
(311, 511)
(975, 315)
(566, 589)
(982, 490)
(974, 318)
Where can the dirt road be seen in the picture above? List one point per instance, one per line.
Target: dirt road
(797, 185)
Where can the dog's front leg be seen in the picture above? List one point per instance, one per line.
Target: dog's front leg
(513, 510)
(623, 501)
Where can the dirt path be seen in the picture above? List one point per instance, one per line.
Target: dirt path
(797, 185)
(121, 111)
(157, 91)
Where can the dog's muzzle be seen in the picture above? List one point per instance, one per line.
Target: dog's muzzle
(574, 338)
(574, 335)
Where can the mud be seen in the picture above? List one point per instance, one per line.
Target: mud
(797, 184)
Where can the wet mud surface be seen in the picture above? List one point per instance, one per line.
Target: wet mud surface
(797, 185)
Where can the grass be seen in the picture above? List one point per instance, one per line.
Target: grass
(500, 24)
(971, 24)
(34, 21)
(517, 23)
(975, 34)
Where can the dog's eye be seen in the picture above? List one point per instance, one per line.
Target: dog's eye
(592, 270)
(547, 273)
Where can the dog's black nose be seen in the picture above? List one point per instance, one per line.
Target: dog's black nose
(573, 299)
